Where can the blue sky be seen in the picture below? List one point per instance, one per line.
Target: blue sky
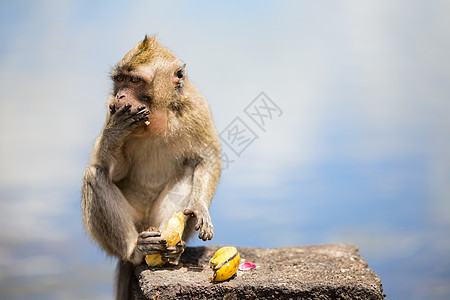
(360, 154)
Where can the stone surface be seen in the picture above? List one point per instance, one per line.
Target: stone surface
(309, 272)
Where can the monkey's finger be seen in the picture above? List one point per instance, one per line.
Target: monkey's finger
(202, 235)
(139, 111)
(150, 251)
(205, 236)
(135, 117)
(139, 120)
(199, 224)
(153, 240)
(151, 247)
(146, 234)
(151, 237)
(140, 115)
(170, 256)
(143, 113)
(209, 234)
(136, 110)
(172, 250)
(172, 253)
(123, 109)
(112, 108)
(140, 107)
(179, 247)
(207, 231)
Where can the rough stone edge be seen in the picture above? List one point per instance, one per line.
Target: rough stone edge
(196, 290)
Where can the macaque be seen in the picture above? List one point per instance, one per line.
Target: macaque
(158, 154)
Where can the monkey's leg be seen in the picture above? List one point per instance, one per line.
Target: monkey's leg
(108, 218)
(174, 198)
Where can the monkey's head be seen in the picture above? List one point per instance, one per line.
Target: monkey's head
(151, 75)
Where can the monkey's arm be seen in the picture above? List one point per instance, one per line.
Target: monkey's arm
(205, 179)
(202, 184)
(107, 215)
(108, 151)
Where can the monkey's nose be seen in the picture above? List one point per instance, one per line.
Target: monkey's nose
(120, 97)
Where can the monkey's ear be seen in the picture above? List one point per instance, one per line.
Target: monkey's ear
(179, 75)
(182, 66)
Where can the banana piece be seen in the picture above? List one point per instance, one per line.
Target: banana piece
(224, 263)
(172, 233)
(147, 123)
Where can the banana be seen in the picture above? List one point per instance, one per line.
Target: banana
(224, 263)
(172, 233)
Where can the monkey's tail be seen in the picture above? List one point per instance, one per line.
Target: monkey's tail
(124, 273)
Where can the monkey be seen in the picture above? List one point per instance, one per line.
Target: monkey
(158, 153)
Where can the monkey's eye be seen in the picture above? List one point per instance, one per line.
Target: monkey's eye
(135, 79)
(180, 74)
(118, 78)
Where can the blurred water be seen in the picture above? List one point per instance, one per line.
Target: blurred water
(360, 153)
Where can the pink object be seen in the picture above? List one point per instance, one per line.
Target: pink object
(246, 266)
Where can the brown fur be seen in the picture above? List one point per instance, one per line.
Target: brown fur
(140, 175)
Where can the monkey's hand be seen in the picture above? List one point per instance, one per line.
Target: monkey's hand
(203, 222)
(172, 254)
(124, 119)
(148, 242)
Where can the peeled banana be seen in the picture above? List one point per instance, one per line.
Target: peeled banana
(172, 233)
(224, 263)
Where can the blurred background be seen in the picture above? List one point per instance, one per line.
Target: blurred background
(358, 152)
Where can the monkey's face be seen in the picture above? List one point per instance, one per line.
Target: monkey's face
(133, 88)
(148, 75)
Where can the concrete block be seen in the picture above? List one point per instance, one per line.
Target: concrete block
(309, 272)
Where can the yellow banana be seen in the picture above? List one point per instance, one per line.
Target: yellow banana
(224, 263)
(172, 233)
